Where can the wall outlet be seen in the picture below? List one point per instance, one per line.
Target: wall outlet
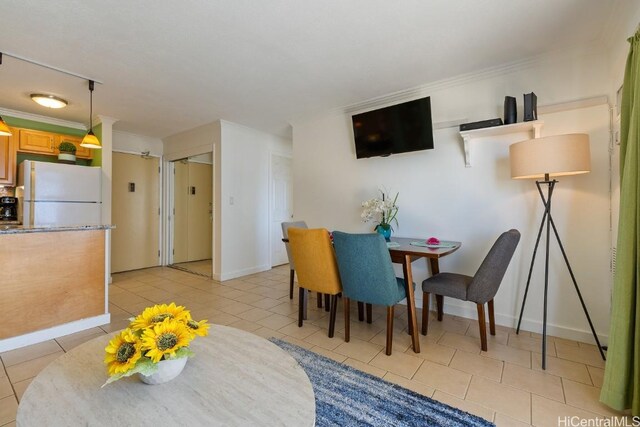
(231, 201)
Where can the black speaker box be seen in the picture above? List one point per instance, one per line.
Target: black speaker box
(510, 110)
(481, 124)
(530, 107)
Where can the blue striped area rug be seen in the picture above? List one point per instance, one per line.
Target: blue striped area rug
(349, 397)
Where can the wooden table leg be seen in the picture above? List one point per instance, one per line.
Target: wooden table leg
(411, 303)
(435, 269)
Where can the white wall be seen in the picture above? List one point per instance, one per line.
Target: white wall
(192, 142)
(241, 159)
(246, 156)
(135, 144)
(440, 197)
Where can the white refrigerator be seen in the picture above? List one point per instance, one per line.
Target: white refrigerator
(55, 194)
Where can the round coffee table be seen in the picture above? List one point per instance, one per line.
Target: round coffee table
(235, 378)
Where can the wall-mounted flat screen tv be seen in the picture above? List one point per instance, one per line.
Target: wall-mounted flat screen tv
(396, 129)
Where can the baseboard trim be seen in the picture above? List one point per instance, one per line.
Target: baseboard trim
(470, 312)
(54, 332)
(240, 273)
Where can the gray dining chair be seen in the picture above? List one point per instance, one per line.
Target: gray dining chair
(481, 288)
(285, 234)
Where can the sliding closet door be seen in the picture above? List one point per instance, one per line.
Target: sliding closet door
(200, 211)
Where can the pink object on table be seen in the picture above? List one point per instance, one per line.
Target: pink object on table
(433, 241)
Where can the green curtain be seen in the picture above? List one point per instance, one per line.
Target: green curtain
(621, 387)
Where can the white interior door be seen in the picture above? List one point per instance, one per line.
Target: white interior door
(135, 212)
(281, 205)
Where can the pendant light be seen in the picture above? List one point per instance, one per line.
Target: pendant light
(4, 129)
(90, 140)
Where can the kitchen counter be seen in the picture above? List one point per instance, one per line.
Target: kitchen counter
(18, 229)
(54, 281)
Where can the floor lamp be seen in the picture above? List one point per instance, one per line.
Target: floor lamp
(547, 158)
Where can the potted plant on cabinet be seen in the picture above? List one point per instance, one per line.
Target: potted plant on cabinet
(67, 153)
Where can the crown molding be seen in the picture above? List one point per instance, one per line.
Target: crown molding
(428, 88)
(573, 104)
(42, 119)
(499, 70)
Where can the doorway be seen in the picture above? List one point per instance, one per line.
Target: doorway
(135, 212)
(192, 230)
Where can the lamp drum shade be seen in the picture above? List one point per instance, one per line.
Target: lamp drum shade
(557, 155)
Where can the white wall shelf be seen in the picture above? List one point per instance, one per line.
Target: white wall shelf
(534, 127)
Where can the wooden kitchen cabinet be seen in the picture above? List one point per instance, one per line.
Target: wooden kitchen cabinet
(39, 142)
(8, 159)
(35, 141)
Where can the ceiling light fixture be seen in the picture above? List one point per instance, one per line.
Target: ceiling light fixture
(90, 140)
(49, 101)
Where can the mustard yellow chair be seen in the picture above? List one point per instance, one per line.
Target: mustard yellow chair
(316, 266)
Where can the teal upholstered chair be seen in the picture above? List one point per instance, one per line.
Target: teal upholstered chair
(367, 275)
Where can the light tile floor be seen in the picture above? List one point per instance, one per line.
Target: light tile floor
(203, 267)
(505, 384)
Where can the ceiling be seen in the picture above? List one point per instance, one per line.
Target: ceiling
(169, 66)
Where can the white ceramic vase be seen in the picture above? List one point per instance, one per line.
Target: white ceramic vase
(167, 370)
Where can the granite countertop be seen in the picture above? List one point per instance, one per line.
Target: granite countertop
(19, 229)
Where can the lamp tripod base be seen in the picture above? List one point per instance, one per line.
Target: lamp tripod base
(547, 224)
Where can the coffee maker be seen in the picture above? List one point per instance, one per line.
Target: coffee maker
(8, 209)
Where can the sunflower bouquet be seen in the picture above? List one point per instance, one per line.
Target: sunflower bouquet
(161, 332)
